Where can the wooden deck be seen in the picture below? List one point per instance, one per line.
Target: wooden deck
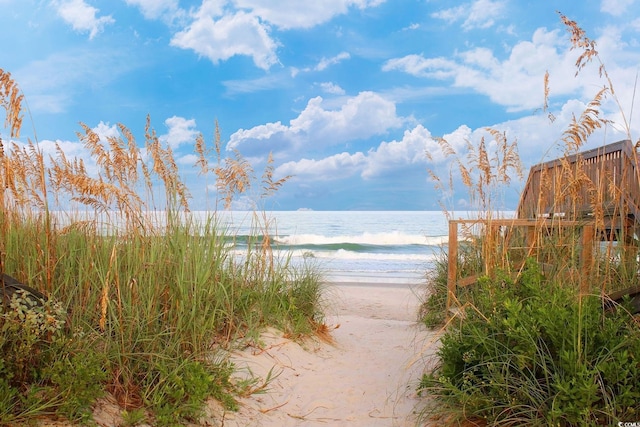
(601, 184)
(594, 195)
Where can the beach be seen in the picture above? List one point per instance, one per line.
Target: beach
(366, 377)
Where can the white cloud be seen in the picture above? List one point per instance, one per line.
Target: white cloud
(221, 29)
(450, 15)
(288, 14)
(457, 140)
(322, 65)
(483, 14)
(326, 62)
(219, 38)
(105, 130)
(82, 16)
(338, 166)
(71, 149)
(386, 159)
(515, 82)
(332, 88)
(359, 117)
(477, 14)
(180, 131)
(394, 155)
(418, 65)
(615, 7)
(261, 132)
(187, 160)
(154, 9)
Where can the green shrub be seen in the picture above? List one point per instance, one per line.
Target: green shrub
(178, 389)
(42, 370)
(432, 312)
(26, 332)
(78, 376)
(534, 352)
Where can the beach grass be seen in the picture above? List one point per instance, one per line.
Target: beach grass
(534, 341)
(143, 302)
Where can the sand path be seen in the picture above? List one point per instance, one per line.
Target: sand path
(366, 378)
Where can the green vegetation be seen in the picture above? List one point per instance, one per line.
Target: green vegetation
(534, 340)
(533, 352)
(433, 309)
(142, 300)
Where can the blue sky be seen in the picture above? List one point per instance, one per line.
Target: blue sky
(348, 95)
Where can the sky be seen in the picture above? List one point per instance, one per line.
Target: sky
(349, 96)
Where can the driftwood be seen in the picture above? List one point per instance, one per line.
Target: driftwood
(10, 287)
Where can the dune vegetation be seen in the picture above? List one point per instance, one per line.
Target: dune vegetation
(535, 341)
(141, 299)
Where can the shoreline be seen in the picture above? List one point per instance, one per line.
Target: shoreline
(367, 377)
(371, 284)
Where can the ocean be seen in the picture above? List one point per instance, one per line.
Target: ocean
(395, 247)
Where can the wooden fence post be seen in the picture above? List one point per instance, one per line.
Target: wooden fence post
(452, 270)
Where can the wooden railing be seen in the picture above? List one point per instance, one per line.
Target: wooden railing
(592, 196)
(498, 232)
(606, 177)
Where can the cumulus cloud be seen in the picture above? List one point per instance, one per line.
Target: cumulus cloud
(388, 158)
(458, 138)
(221, 29)
(317, 126)
(394, 155)
(337, 166)
(82, 16)
(515, 82)
(105, 130)
(180, 131)
(359, 117)
(219, 37)
(477, 14)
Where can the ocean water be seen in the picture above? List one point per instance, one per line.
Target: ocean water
(395, 247)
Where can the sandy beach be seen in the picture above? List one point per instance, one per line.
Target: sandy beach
(367, 377)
